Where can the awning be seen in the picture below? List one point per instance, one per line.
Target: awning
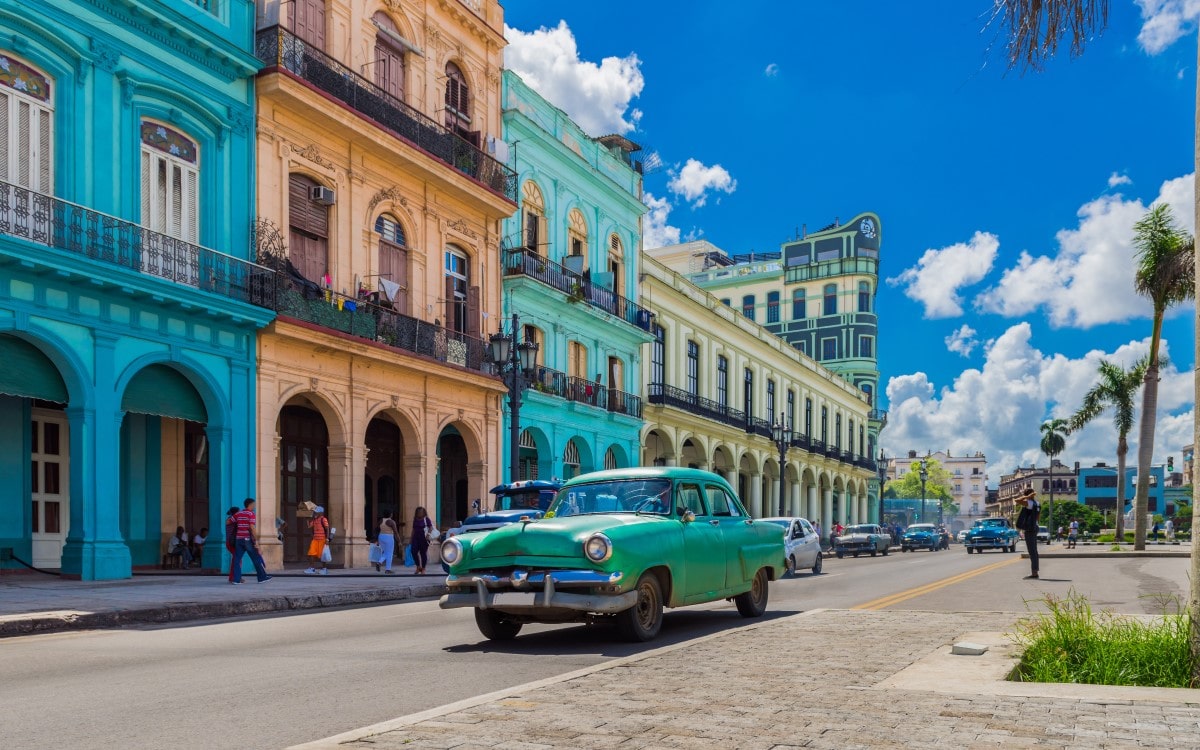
(399, 39)
(163, 392)
(26, 372)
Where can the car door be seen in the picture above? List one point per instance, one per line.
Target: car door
(802, 545)
(736, 532)
(811, 546)
(703, 546)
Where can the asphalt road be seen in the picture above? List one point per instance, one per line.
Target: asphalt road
(275, 681)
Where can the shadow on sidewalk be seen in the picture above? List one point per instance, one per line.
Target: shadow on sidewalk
(603, 638)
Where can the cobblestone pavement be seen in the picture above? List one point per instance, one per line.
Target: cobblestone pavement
(803, 681)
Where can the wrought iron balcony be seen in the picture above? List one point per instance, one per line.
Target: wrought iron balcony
(878, 415)
(801, 441)
(620, 402)
(372, 322)
(584, 391)
(75, 229)
(280, 49)
(524, 262)
(667, 395)
(759, 426)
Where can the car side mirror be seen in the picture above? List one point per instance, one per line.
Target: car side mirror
(687, 516)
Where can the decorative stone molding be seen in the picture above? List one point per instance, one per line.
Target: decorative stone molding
(392, 194)
(240, 119)
(106, 56)
(460, 226)
(312, 154)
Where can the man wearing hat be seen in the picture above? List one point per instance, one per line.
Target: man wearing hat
(1027, 521)
(316, 549)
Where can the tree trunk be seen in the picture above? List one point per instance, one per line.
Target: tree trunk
(1050, 526)
(1122, 451)
(1146, 438)
(1194, 604)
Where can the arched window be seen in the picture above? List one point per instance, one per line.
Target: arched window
(462, 299)
(389, 56)
(577, 240)
(170, 182)
(748, 306)
(26, 127)
(798, 303)
(308, 229)
(458, 103)
(830, 299)
(534, 213)
(616, 263)
(772, 307)
(393, 262)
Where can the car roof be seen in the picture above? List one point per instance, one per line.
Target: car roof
(649, 472)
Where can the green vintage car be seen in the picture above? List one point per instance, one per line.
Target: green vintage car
(617, 545)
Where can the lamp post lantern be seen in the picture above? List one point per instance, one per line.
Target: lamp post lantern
(782, 432)
(924, 473)
(517, 360)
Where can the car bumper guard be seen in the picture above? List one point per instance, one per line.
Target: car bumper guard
(540, 590)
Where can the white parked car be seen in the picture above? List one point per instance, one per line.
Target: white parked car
(1043, 535)
(801, 544)
(961, 536)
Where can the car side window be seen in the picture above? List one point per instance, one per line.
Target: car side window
(719, 502)
(688, 497)
(797, 530)
(808, 529)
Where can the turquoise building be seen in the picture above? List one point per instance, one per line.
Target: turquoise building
(128, 306)
(570, 273)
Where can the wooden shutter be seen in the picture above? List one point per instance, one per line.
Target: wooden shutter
(310, 22)
(451, 322)
(472, 326)
(389, 60)
(298, 192)
(393, 266)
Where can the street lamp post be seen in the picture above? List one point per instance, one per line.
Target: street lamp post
(517, 359)
(883, 471)
(924, 472)
(782, 432)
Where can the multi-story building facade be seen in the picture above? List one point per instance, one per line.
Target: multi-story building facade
(717, 385)
(817, 294)
(381, 208)
(1097, 487)
(570, 274)
(1065, 481)
(968, 478)
(128, 309)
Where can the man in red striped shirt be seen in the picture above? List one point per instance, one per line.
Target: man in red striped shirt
(247, 543)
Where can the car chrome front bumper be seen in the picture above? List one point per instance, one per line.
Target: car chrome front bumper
(537, 590)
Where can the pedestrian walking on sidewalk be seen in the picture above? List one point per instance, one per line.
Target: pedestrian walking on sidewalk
(422, 530)
(247, 543)
(231, 537)
(1170, 531)
(318, 548)
(1072, 533)
(1027, 521)
(389, 536)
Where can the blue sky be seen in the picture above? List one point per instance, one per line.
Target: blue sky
(785, 114)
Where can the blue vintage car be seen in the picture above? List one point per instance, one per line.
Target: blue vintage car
(524, 500)
(921, 536)
(991, 533)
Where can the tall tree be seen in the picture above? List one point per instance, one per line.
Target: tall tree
(1116, 389)
(1054, 442)
(1166, 274)
(937, 486)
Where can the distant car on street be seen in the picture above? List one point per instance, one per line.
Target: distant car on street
(991, 533)
(961, 536)
(862, 539)
(1043, 535)
(802, 546)
(921, 536)
(527, 499)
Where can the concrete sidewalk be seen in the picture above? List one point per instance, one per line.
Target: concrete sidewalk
(38, 603)
(1082, 550)
(831, 679)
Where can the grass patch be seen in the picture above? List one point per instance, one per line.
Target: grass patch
(1073, 643)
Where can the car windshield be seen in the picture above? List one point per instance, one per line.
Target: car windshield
(859, 530)
(651, 496)
(990, 522)
(921, 527)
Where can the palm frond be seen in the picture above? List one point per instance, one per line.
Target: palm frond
(1166, 271)
(1036, 28)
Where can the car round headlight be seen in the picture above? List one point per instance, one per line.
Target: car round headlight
(598, 548)
(452, 551)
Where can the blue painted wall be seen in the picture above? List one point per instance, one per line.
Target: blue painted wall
(1089, 495)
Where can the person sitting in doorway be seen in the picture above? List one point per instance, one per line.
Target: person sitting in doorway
(177, 546)
(198, 541)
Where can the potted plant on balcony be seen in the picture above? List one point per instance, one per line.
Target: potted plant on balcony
(576, 293)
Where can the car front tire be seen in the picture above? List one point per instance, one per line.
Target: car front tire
(816, 568)
(495, 626)
(754, 602)
(643, 620)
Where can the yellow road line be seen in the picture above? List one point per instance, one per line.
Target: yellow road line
(903, 596)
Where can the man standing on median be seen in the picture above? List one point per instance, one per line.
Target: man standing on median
(247, 543)
(1027, 521)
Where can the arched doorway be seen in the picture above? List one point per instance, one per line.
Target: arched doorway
(571, 467)
(658, 450)
(692, 454)
(303, 475)
(529, 456)
(384, 474)
(452, 477)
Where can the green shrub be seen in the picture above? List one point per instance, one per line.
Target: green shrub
(1103, 538)
(1072, 643)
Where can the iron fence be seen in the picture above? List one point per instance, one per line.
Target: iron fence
(667, 395)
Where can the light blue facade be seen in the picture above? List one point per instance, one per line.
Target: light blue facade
(1098, 487)
(128, 310)
(570, 273)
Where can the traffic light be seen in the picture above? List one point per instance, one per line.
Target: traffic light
(1170, 464)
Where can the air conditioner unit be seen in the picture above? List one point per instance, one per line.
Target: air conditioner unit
(323, 195)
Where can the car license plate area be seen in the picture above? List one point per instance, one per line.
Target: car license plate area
(514, 599)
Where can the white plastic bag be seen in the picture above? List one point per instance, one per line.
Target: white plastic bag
(376, 554)
(325, 556)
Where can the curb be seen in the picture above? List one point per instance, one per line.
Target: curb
(1097, 555)
(330, 743)
(188, 611)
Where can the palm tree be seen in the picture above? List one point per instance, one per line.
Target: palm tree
(1116, 389)
(1054, 442)
(1166, 273)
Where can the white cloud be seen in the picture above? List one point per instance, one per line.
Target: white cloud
(695, 180)
(999, 407)
(963, 340)
(596, 97)
(1165, 21)
(1095, 262)
(1117, 179)
(772, 70)
(656, 232)
(939, 274)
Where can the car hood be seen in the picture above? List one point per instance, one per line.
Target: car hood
(502, 516)
(988, 531)
(552, 537)
(856, 537)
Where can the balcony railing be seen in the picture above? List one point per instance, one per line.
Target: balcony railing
(667, 395)
(759, 426)
(584, 391)
(281, 49)
(878, 415)
(524, 262)
(620, 402)
(383, 325)
(801, 441)
(66, 226)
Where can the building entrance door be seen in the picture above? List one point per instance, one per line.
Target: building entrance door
(304, 476)
(50, 470)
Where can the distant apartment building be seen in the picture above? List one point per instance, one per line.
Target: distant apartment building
(1098, 487)
(968, 483)
(1040, 479)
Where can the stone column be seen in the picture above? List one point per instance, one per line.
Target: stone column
(772, 494)
(827, 512)
(341, 488)
(221, 498)
(852, 502)
(756, 495)
(794, 499)
(810, 509)
(412, 493)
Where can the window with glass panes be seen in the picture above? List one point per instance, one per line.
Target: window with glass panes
(693, 368)
(170, 182)
(772, 307)
(837, 434)
(722, 381)
(658, 352)
(798, 302)
(791, 409)
(456, 287)
(771, 400)
(748, 306)
(830, 299)
(808, 417)
(864, 297)
(825, 424)
(748, 392)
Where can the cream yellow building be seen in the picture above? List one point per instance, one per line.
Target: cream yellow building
(380, 201)
(717, 383)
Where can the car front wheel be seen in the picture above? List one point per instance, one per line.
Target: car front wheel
(643, 620)
(495, 626)
(816, 568)
(754, 602)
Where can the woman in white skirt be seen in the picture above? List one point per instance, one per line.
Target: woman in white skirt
(389, 539)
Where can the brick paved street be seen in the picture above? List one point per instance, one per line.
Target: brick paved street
(803, 681)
